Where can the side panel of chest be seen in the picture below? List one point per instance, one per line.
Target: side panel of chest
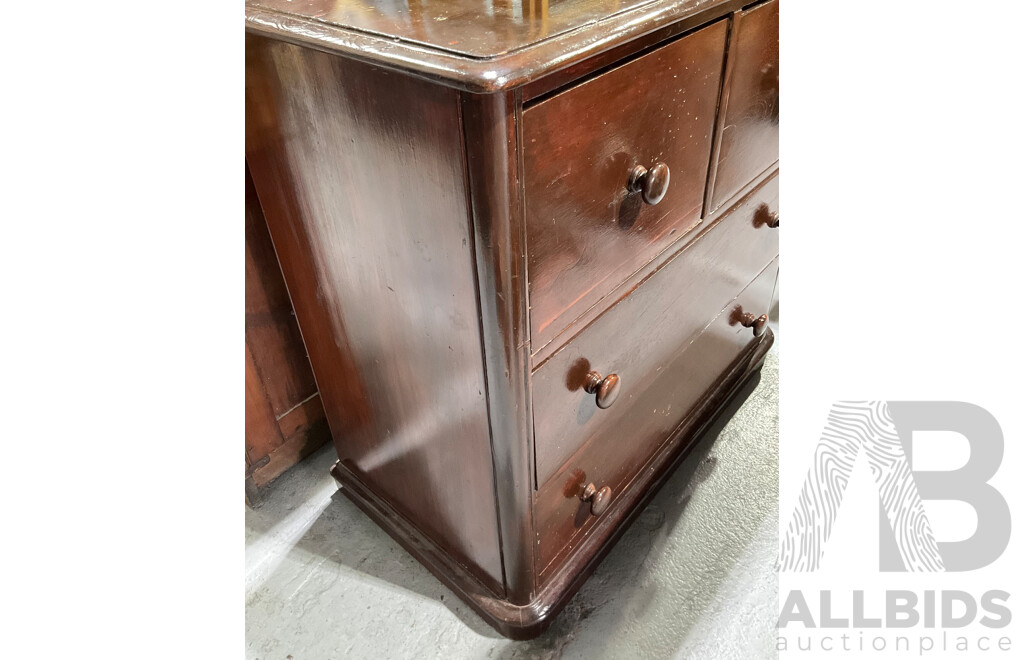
(362, 178)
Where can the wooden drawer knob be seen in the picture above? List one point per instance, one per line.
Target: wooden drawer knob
(606, 388)
(758, 323)
(652, 184)
(765, 217)
(599, 499)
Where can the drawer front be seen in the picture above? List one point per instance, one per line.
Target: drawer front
(614, 457)
(634, 339)
(586, 231)
(749, 141)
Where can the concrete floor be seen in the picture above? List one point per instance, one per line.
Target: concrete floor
(692, 577)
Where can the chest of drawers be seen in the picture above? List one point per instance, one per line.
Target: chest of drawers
(531, 250)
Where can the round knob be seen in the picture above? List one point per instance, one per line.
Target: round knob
(606, 388)
(652, 184)
(765, 217)
(599, 499)
(758, 323)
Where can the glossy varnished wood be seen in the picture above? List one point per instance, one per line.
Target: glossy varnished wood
(473, 46)
(635, 338)
(573, 568)
(586, 230)
(367, 206)
(748, 142)
(462, 27)
(543, 354)
(549, 82)
(406, 156)
(616, 454)
(491, 126)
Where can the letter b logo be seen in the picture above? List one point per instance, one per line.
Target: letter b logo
(968, 484)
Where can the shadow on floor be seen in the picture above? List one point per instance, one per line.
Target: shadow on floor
(620, 582)
(342, 535)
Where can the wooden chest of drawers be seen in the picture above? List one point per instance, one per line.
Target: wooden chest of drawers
(531, 251)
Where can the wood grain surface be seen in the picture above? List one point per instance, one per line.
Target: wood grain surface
(586, 232)
(749, 118)
(284, 420)
(472, 46)
(366, 203)
(636, 337)
(616, 452)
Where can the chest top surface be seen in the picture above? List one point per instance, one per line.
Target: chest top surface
(478, 45)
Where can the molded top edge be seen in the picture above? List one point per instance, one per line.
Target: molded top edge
(472, 45)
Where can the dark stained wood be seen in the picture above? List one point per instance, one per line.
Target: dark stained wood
(767, 217)
(517, 621)
(460, 27)
(596, 62)
(408, 212)
(598, 498)
(635, 338)
(530, 620)
(586, 232)
(366, 203)
(748, 143)
(543, 354)
(611, 461)
(750, 320)
(605, 388)
(476, 47)
(491, 124)
(284, 420)
(652, 184)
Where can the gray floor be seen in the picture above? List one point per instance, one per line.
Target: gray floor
(691, 578)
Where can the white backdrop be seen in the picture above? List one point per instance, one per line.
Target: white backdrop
(901, 145)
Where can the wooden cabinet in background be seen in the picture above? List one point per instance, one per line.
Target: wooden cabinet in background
(284, 419)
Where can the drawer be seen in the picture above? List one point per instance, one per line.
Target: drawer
(636, 337)
(619, 451)
(586, 231)
(749, 140)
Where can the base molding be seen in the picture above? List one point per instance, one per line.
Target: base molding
(527, 621)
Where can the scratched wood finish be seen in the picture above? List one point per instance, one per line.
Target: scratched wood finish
(623, 444)
(622, 52)
(472, 46)
(749, 127)
(366, 203)
(635, 338)
(586, 232)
